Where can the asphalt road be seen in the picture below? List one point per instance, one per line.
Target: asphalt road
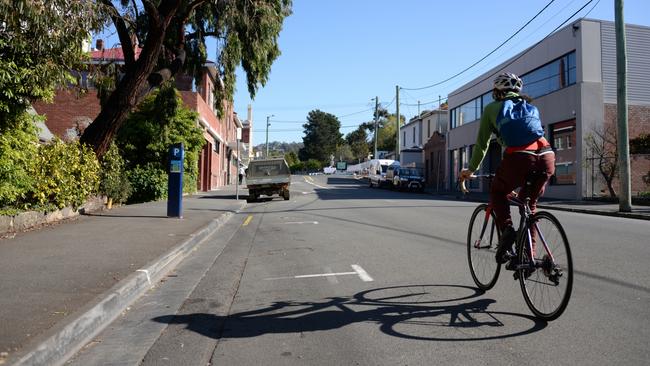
(343, 274)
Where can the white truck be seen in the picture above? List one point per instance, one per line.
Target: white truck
(377, 171)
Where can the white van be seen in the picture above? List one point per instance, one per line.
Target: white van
(377, 171)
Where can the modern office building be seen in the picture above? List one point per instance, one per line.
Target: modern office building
(572, 77)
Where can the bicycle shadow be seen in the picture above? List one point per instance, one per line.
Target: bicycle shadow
(397, 315)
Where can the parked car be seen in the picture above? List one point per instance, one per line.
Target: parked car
(406, 178)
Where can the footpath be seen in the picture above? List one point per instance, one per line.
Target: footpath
(61, 284)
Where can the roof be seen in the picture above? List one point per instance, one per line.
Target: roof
(112, 54)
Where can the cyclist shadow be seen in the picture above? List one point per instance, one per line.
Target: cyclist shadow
(410, 314)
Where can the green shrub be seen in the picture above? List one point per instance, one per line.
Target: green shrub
(18, 147)
(66, 174)
(313, 165)
(113, 182)
(297, 166)
(160, 121)
(148, 183)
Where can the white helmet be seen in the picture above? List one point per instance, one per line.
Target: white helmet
(508, 81)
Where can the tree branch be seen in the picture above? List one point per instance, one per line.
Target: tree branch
(151, 9)
(122, 32)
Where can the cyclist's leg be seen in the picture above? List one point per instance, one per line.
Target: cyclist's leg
(540, 172)
(510, 175)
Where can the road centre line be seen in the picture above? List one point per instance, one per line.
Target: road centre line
(248, 220)
(363, 275)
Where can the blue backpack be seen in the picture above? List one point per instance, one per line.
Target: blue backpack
(518, 122)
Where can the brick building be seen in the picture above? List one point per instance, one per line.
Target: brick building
(71, 112)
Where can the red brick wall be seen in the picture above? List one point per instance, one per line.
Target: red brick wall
(638, 123)
(67, 109)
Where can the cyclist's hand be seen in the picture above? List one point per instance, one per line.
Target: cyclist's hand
(465, 174)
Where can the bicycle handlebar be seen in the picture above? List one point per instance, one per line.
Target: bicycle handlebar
(463, 188)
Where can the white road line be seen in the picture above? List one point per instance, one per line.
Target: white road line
(300, 222)
(357, 271)
(311, 181)
(362, 273)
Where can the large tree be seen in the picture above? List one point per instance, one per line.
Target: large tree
(386, 126)
(40, 42)
(173, 35)
(358, 142)
(321, 136)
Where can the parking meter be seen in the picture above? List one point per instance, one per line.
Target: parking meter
(175, 181)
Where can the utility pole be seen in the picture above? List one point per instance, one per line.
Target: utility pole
(439, 111)
(418, 109)
(374, 156)
(397, 123)
(267, 135)
(625, 199)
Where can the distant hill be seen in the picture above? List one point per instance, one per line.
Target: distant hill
(279, 147)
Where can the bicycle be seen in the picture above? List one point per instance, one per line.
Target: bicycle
(546, 281)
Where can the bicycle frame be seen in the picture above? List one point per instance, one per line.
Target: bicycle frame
(526, 222)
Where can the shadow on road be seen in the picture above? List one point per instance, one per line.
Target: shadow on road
(412, 312)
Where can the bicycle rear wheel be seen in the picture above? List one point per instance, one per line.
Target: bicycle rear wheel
(482, 241)
(547, 288)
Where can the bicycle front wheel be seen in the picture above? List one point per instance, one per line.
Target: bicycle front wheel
(482, 241)
(547, 287)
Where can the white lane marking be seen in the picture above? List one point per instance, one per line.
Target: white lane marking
(362, 273)
(357, 271)
(300, 222)
(331, 279)
(146, 272)
(311, 181)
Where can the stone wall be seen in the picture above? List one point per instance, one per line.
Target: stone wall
(31, 219)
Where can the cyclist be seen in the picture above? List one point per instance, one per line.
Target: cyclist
(527, 154)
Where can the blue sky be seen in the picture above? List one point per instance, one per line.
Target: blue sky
(339, 54)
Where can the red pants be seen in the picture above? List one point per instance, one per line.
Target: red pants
(512, 173)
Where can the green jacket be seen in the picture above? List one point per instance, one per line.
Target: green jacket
(485, 130)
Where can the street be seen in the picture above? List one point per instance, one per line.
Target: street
(344, 274)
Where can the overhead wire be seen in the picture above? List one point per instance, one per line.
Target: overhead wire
(522, 54)
(486, 56)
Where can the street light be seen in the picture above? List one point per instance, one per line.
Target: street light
(267, 135)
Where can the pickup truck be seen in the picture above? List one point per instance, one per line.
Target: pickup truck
(268, 177)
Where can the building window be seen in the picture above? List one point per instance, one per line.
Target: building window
(216, 146)
(553, 76)
(485, 100)
(563, 135)
(414, 134)
(468, 112)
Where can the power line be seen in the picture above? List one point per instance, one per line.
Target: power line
(524, 52)
(486, 56)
